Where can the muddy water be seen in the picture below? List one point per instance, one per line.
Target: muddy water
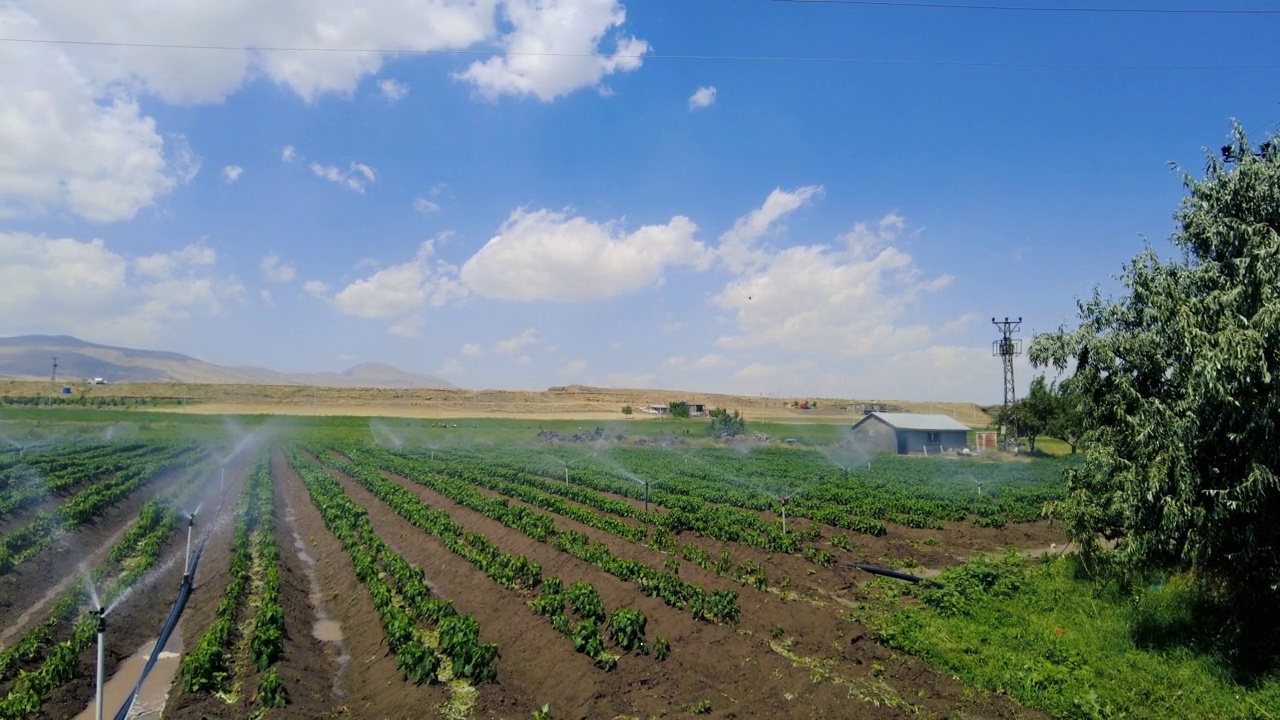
(325, 629)
(154, 692)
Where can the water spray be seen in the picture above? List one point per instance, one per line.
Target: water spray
(222, 480)
(101, 614)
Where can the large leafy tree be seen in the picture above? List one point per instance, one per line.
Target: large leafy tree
(1069, 422)
(1179, 382)
(1037, 411)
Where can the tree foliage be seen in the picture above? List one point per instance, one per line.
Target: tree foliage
(1178, 380)
(724, 423)
(626, 410)
(678, 409)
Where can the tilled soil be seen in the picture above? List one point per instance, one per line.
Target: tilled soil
(57, 567)
(736, 668)
(370, 684)
(141, 615)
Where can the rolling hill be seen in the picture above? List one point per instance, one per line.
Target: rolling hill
(28, 356)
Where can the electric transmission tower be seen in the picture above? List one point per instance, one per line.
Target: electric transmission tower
(1007, 347)
(53, 378)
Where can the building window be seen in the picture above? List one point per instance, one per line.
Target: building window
(935, 437)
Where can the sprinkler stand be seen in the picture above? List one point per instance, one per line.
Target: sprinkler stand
(186, 568)
(101, 614)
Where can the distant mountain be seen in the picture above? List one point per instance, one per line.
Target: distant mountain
(28, 357)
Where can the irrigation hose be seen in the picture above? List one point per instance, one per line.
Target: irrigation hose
(875, 570)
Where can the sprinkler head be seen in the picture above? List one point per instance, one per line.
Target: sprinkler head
(191, 520)
(101, 614)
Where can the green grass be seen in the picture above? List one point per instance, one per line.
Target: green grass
(1051, 639)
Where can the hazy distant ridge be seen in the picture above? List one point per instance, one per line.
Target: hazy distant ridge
(28, 357)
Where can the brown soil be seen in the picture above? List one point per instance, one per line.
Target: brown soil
(736, 668)
(139, 618)
(23, 587)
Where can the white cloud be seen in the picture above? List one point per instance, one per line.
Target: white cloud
(204, 77)
(546, 255)
(231, 173)
(425, 206)
(703, 97)
(315, 288)
(393, 90)
(71, 142)
(574, 368)
(510, 345)
(472, 350)
(554, 48)
(266, 297)
(93, 292)
(402, 291)
(848, 299)
(289, 154)
(354, 179)
(738, 246)
(453, 368)
(705, 362)
(276, 270)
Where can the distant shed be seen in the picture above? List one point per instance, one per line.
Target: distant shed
(907, 433)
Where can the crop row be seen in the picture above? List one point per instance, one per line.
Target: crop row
(717, 606)
(211, 667)
(399, 592)
(59, 458)
(515, 572)
(41, 663)
(48, 526)
(538, 491)
(33, 487)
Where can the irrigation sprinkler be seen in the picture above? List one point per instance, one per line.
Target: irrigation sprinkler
(101, 614)
(646, 497)
(186, 568)
(222, 480)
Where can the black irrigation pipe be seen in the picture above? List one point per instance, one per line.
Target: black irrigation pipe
(875, 570)
(184, 592)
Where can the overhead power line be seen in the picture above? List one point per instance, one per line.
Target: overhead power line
(1039, 8)
(644, 56)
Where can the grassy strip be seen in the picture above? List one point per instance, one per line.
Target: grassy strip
(1044, 634)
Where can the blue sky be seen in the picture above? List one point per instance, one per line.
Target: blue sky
(561, 199)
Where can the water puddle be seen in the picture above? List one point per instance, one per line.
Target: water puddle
(326, 629)
(154, 692)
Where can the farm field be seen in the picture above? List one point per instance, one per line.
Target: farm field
(396, 568)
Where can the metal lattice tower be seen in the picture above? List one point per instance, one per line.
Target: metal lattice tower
(1007, 347)
(53, 378)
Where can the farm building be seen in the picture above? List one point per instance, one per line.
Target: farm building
(906, 433)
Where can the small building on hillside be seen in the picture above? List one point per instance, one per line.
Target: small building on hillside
(908, 433)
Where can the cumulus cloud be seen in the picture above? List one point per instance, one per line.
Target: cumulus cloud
(472, 350)
(703, 97)
(88, 290)
(402, 292)
(70, 142)
(425, 206)
(266, 297)
(231, 173)
(201, 77)
(288, 154)
(393, 90)
(738, 247)
(354, 178)
(554, 48)
(848, 298)
(315, 288)
(276, 270)
(510, 345)
(546, 255)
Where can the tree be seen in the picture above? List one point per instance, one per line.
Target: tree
(678, 409)
(1036, 412)
(722, 423)
(1069, 422)
(1179, 384)
(626, 410)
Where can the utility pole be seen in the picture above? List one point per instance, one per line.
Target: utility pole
(1007, 347)
(53, 380)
